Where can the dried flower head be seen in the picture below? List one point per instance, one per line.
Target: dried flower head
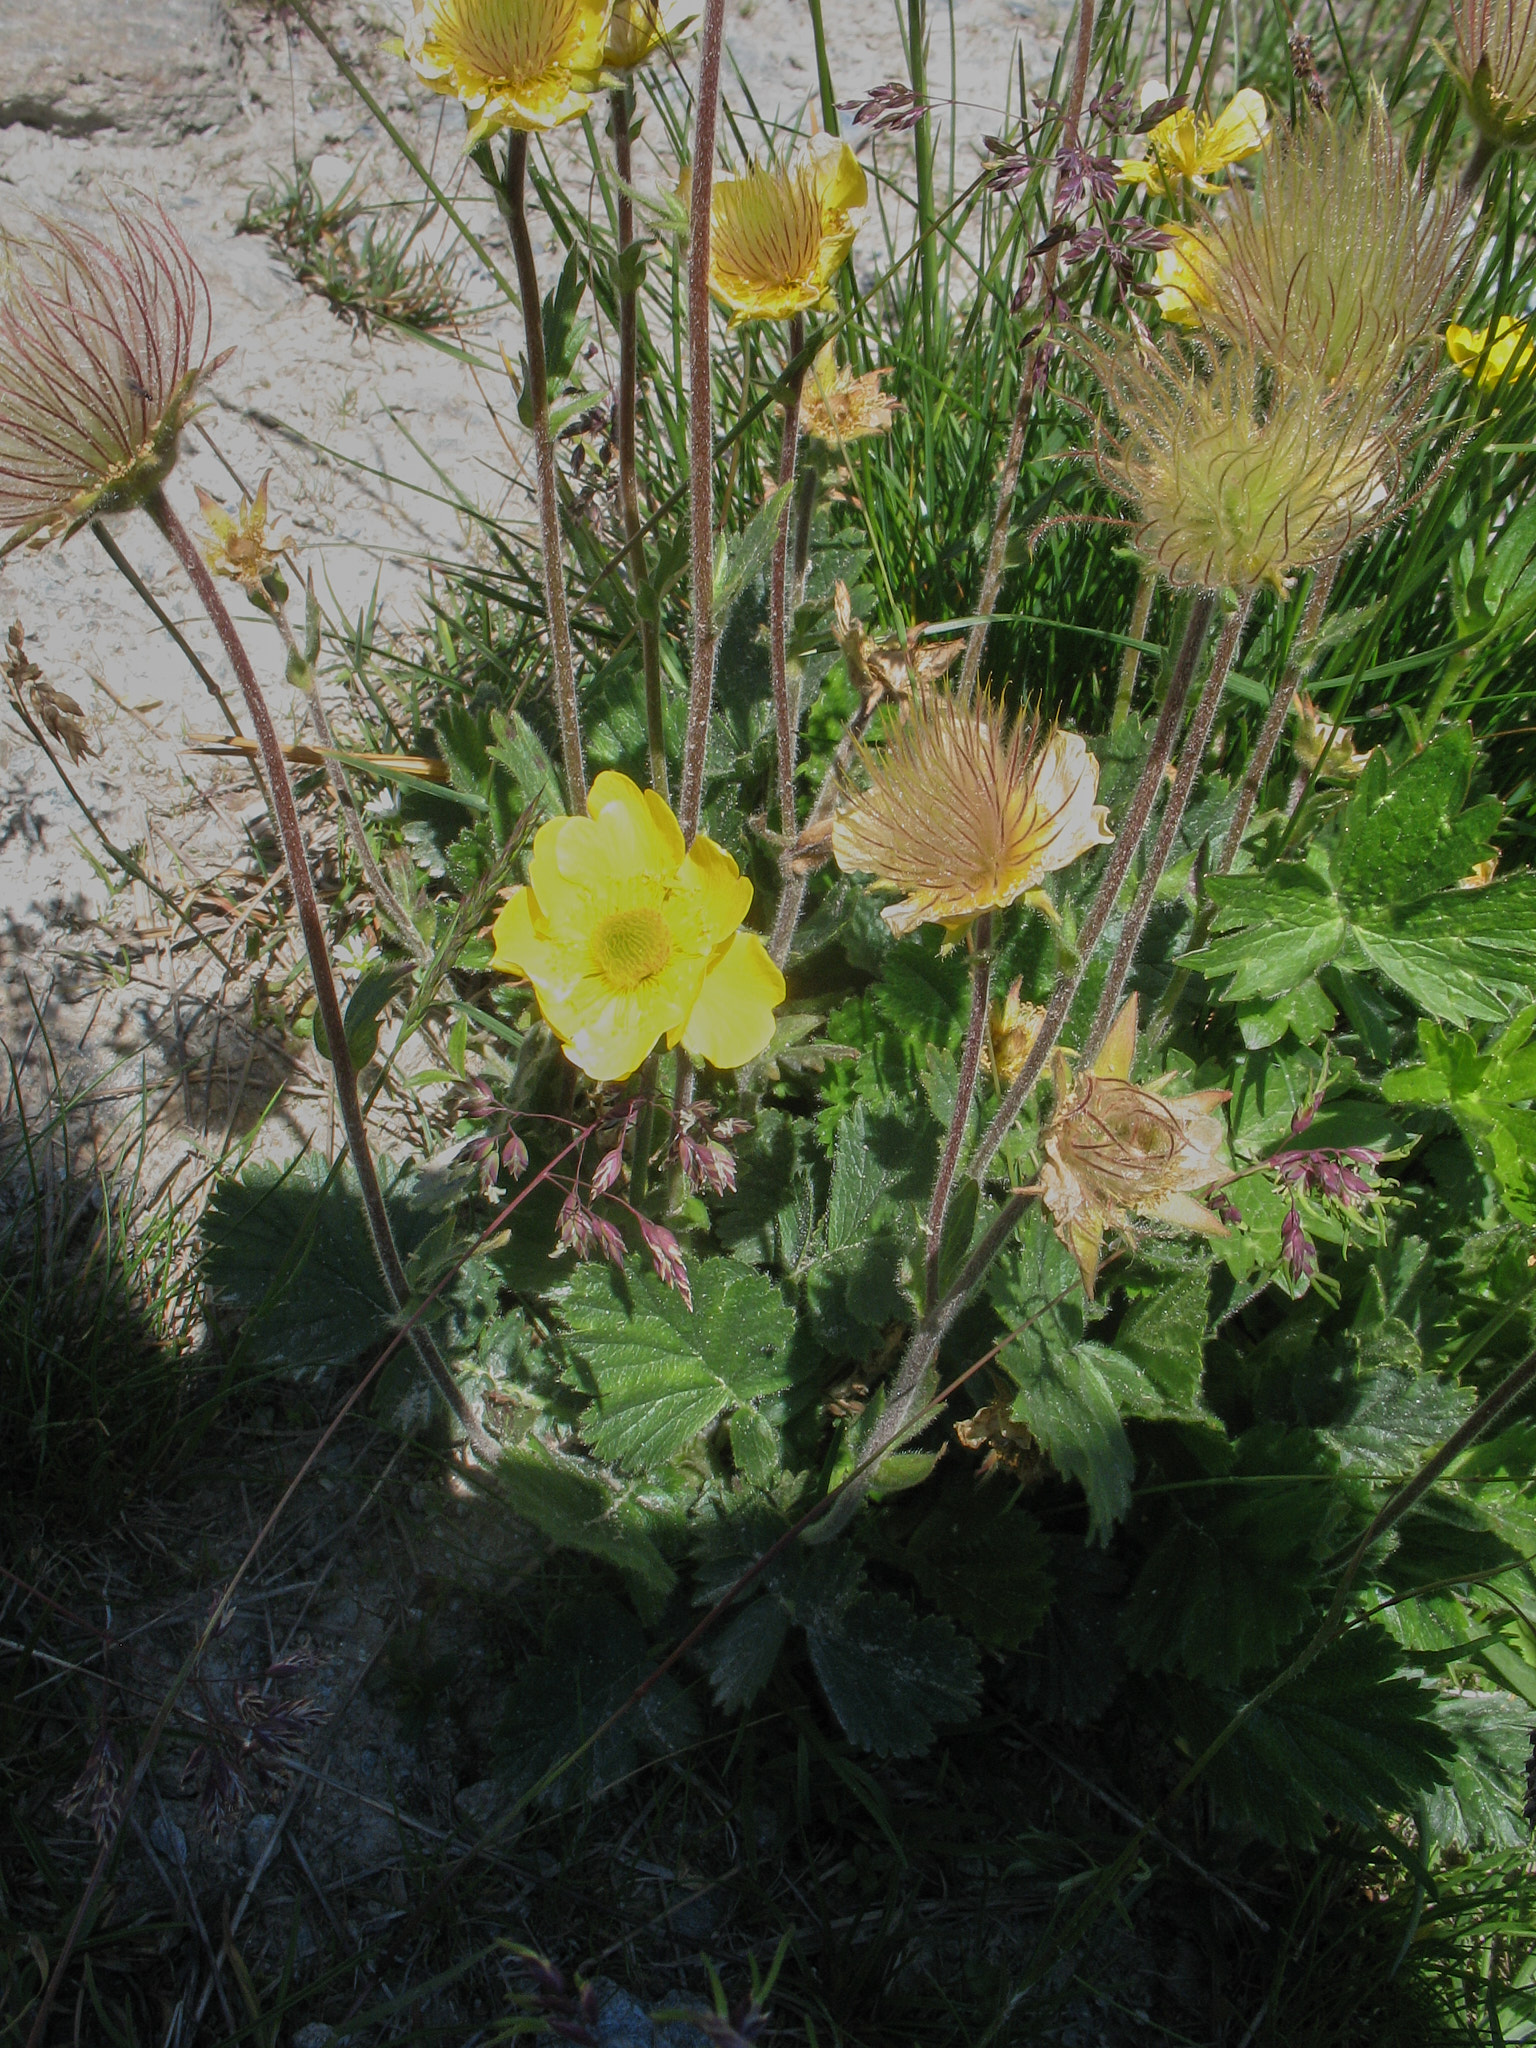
(1239, 478)
(1323, 748)
(780, 233)
(1343, 265)
(836, 406)
(239, 548)
(1507, 356)
(523, 64)
(1012, 1027)
(887, 668)
(1481, 873)
(1495, 66)
(1187, 149)
(1114, 1150)
(102, 351)
(964, 815)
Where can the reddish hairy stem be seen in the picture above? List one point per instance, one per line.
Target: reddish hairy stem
(1132, 828)
(551, 547)
(1195, 741)
(629, 487)
(778, 632)
(1013, 459)
(701, 420)
(970, 1064)
(328, 1002)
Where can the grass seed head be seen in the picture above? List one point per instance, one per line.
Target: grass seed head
(1240, 477)
(102, 351)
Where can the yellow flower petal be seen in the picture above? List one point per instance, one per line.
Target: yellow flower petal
(1238, 132)
(1509, 356)
(732, 1021)
(1119, 1047)
(524, 64)
(781, 233)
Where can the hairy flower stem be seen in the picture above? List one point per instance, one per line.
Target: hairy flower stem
(1472, 177)
(1128, 838)
(965, 1094)
(512, 199)
(1130, 660)
(792, 897)
(386, 901)
(1195, 742)
(1013, 458)
(701, 420)
(291, 839)
(645, 1117)
(807, 487)
(629, 488)
(784, 711)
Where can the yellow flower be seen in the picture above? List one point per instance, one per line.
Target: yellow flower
(780, 234)
(1186, 278)
(637, 29)
(627, 935)
(525, 64)
(1509, 356)
(1114, 1150)
(964, 816)
(836, 406)
(1012, 1028)
(1321, 747)
(239, 549)
(1189, 148)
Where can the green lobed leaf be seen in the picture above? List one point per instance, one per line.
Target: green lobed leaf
(892, 1676)
(572, 1505)
(1404, 834)
(1490, 1093)
(663, 1374)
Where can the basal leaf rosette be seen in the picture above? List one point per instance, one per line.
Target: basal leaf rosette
(1495, 67)
(1239, 477)
(964, 814)
(1189, 149)
(102, 352)
(780, 233)
(1114, 1151)
(628, 936)
(523, 64)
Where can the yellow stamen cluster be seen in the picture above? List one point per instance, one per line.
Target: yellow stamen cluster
(524, 64)
(780, 233)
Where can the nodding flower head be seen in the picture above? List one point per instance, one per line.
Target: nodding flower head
(965, 814)
(102, 350)
(523, 64)
(1340, 267)
(1495, 66)
(637, 29)
(1241, 477)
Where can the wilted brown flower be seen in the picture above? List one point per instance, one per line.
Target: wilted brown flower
(1239, 478)
(965, 815)
(102, 351)
(1323, 748)
(1495, 66)
(836, 406)
(1114, 1150)
(887, 668)
(1481, 874)
(1343, 264)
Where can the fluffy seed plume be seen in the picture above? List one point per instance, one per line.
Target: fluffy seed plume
(963, 815)
(1495, 66)
(1239, 478)
(1342, 266)
(102, 351)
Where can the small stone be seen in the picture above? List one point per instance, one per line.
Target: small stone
(256, 1834)
(161, 69)
(166, 1839)
(622, 2022)
(316, 2034)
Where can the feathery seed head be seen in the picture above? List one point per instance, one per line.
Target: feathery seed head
(102, 350)
(523, 64)
(964, 815)
(1239, 478)
(1495, 66)
(1343, 264)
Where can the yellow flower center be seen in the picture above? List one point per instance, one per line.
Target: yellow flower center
(631, 946)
